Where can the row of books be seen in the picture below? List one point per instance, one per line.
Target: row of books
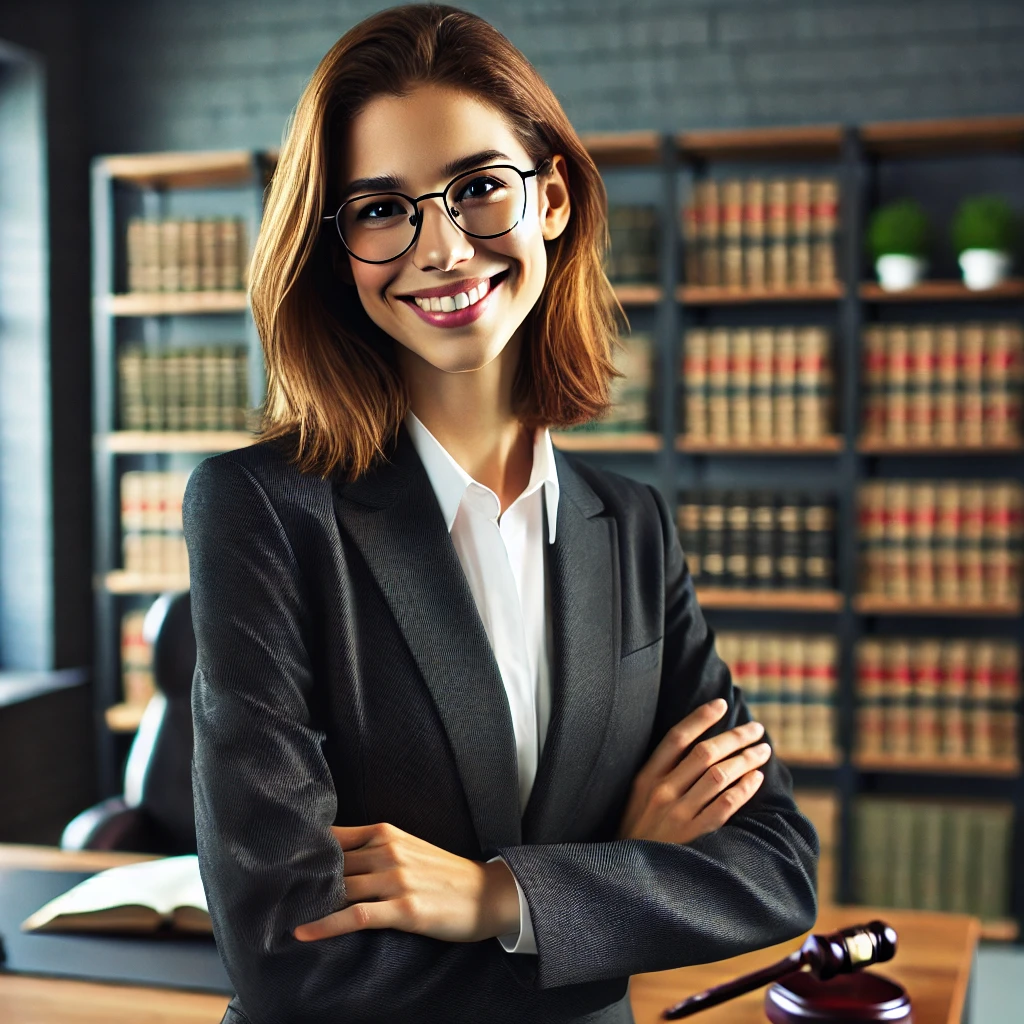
(822, 808)
(925, 855)
(943, 383)
(186, 254)
(758, 233)
(929, 697)
(137, 682)
(758, 539)
(939, 540)
(152, 537)
(789, 684)
(763, 383)
(199, 388)
(631, 393)
(633, 254)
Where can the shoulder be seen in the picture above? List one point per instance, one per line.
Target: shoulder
(637, 507)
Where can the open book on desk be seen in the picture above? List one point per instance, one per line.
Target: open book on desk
(142, 897)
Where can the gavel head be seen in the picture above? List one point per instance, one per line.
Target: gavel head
(849, 949)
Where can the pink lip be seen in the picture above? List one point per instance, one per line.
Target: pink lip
(457, 317)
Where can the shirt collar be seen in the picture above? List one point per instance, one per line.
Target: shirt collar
(450, 480)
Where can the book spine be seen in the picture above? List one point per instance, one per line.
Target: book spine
(737, 559)
(695, 381)
(754, 218)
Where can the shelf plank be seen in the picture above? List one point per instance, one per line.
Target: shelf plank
(605, 441)
(880, 446)
(1005, 930)
(810, 759)
(175, 303)
(117, 581)
(638, 294)
(144, 441)
(937, 765)
(124, 718)
(880, 604)
(201, 169)
(944, 135)
(623, 148)
(783, 143)
(707, 295)
(943, 291)
(771, 600)
(698, 445)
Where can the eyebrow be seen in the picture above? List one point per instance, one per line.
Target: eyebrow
(392, 183)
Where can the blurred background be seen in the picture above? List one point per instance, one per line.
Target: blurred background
(815, 212)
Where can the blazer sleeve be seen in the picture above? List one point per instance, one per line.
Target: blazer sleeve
(264, 795)
(607, 909)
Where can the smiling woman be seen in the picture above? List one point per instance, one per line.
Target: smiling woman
(464, 748)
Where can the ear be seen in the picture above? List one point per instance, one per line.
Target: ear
(554, 198)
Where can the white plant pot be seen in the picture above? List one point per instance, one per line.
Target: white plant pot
(984, 268)
(897, 271)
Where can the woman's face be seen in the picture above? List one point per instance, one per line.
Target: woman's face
(413, 138)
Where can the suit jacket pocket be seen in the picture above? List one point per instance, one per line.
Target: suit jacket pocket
(641, 660)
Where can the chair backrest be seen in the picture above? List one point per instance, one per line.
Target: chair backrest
(158, 774)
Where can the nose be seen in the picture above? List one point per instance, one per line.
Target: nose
(440, 245)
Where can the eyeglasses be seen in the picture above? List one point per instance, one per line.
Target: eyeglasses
(483, 203)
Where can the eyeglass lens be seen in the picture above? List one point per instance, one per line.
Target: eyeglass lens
(483, 203)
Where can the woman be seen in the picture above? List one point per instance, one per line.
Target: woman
(451, 682)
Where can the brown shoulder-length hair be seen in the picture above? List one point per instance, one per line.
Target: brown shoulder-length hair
(333, 386)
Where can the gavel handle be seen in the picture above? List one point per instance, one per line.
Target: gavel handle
(731, 989)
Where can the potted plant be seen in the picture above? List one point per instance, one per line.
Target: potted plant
(898, 236)
(984, 231)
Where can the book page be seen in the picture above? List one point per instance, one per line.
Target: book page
(160, 884)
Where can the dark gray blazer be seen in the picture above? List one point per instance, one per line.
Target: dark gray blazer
(343, 676)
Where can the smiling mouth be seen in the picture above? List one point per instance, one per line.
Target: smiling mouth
(462, 300)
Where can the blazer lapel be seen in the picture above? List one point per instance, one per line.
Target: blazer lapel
(583, 577)
(392, 516)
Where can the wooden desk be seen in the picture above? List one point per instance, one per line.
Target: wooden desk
(934, 963)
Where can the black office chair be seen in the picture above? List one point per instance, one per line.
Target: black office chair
(155, 813)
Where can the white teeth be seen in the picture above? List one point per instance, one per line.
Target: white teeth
(448, 303)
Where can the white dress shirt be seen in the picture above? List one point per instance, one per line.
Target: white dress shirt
(503, 557)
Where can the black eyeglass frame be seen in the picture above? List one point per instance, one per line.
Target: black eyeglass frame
(417, 217)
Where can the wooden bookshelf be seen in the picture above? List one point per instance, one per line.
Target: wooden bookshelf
(205, 169)
(623, 148)
(812, 759)
(799, 142)
(936, 137)
(638, 294)
(124, 718)
(771, 600)
(943, 291)
(698, 445)
(145, 441)
(118, 581)
(175, 303)
(880, 446)
(879, 604)
(937, 765)
(605, 441)
(708, 295)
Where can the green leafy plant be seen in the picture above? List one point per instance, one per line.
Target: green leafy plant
(984, 222)
(901, 227)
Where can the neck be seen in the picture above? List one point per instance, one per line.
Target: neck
(470, 414)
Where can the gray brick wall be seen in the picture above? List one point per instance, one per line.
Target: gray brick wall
(170, 74)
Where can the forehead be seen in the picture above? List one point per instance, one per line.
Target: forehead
(414, 136)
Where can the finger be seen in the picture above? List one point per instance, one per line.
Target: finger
(667, 753)
(351, 837)
(722, 775)
(724, 806)
(379, 885)
(366, 859)
(357, 917)
(709, 752)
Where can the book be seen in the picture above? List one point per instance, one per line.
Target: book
(144, 897)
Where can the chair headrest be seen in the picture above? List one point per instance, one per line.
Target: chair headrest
(168, 627)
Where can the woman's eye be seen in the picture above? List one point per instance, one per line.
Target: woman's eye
(478, 188)
(379, 210)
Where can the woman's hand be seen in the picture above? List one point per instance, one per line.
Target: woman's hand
(675, 801)
(396, 880)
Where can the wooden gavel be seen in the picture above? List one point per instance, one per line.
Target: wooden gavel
(842, 952)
